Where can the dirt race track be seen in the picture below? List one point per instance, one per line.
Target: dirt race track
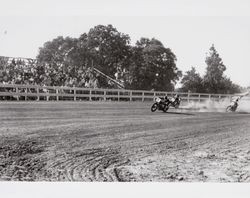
(105, 141)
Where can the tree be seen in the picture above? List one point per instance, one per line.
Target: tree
(214, 80)
(148, 65)
(192, 82)
(214, 72)
(3, 62)
(153, 66)
(109, 49)
(228, 87)
(57, 59)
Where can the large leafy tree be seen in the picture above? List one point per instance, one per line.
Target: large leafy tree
(56, 59)
(108, 48)
(147, 65)
(153, 66)
(192, 82)
(104, 48)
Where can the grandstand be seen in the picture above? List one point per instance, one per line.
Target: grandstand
(19, 70)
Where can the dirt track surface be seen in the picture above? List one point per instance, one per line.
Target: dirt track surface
(104, 141)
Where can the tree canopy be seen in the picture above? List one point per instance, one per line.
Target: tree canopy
(214, 80)
(153, 66)
(147, 65)
(103, 54)
(192, 82)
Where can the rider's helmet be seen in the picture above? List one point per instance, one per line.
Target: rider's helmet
(166, 97)
(176, 97)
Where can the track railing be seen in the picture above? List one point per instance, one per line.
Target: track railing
(34, 92)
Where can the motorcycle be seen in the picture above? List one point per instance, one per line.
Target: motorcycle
(160, 105)
(175, 103)
(232, 107)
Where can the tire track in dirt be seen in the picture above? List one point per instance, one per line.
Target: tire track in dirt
(21, 160)
(120, 142)
(90, 165)
(219, 155)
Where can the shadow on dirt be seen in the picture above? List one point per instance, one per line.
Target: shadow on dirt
(179, 113)
(242, 112)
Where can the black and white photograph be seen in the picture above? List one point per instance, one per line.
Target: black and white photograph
(134, 92)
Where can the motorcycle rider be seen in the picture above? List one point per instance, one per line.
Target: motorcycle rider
(176, 98)
(176, 101)
(164, 100)
(235, 102)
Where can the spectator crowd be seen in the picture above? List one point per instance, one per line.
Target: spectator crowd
(29, 72)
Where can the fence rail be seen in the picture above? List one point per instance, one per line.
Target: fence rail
(34, 92)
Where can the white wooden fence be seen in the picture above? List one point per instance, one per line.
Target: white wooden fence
(33, 92)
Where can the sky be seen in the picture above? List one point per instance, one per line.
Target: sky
(187, 27)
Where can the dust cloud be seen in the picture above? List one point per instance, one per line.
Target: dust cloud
(218, 106)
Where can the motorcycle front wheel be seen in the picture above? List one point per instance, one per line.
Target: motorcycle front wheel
(228, 109)
(154, 107)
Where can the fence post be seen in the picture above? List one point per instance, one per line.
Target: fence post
(17, 97)
(130, 95)
(143, 97)
(199, 97)
(104, 97)
(26, 91)
(47, 95)
(74, 94)
(90, 95)
(57, 96)
(188, 97)
(37, 91)
(118, 96)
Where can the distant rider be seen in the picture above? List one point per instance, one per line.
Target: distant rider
(235, 102)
